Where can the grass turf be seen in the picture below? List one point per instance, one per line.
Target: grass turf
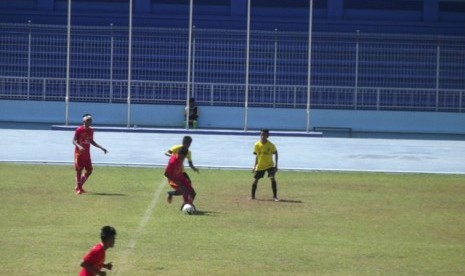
(325, 224)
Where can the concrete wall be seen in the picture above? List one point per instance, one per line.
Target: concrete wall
(166, 116)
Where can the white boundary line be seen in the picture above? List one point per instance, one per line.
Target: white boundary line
(156, 165)
(123, 264)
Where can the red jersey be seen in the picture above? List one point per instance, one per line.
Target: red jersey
(95, 257)
(175, 168)
(84, 137)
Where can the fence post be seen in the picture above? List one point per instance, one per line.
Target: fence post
(378, 96)
(357, 49)
(211, 94)
(111, 62)
(295, 96)
(460, 101)
(438, 60)
(29, 48)
(193, 62)
(275, 65)
(44, 89)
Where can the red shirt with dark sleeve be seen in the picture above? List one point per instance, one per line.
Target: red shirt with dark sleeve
(95, 257)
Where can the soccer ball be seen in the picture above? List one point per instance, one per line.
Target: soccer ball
(188, 209)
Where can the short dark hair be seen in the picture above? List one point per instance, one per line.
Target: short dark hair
(265, 130)
(183, 150)
(107, 232)
(187, 140)
(86, 116)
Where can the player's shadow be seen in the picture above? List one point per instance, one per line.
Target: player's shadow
(205, 213)
(282, 200)
(105, 194)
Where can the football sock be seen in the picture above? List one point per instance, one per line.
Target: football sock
(274, 187)
(174, 193)
(185, 198)
(190, 200)
(78, 180)
(83, 180)
(254, 189)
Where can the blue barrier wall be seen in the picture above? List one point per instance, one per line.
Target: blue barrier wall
(165, 116)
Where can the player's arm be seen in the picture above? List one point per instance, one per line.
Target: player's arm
(276, 161)
(193, 167)
(98, 146)
(76, 143)
(108, 266)
(256, 162)
(87, 266)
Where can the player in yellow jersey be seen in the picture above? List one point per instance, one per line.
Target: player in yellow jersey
(264, 151)
(186, 142)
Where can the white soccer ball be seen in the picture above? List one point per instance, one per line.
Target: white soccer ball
(188, 209)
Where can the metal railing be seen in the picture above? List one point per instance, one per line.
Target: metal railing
(229, 94)
(349, 71)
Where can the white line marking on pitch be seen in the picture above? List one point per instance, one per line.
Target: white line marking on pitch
(123, 262)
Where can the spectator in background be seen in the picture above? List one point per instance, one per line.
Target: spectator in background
(193, 113)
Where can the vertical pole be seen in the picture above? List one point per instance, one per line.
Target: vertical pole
(357, 52)
(438, 68)
(275, 65)
(112, 42)
(29, 48)
(247, 60)
(68, 53)
(189, 54)
(211, 94)
(460, 101)
(193, 62)
(309, 66)
(129, 64)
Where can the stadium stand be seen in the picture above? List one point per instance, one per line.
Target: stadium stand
(350, 70)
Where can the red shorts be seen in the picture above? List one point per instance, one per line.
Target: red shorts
(82, 162)
(187, 184)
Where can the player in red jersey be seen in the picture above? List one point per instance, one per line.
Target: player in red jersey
(177, 179)
(83, 138)
(94, 260)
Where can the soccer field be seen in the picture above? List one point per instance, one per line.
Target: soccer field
(326, 223)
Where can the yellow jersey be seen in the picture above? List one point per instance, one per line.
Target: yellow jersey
(264, 153)
(176, 148)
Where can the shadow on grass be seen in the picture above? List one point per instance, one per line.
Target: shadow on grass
(205, 213)
(281, 200)
(105, 194)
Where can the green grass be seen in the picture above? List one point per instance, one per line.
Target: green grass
(327, 223)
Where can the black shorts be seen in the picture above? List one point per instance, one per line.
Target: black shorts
(260, 174)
